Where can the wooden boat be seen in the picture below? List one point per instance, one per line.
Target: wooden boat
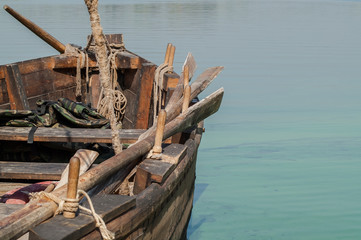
(137, 194)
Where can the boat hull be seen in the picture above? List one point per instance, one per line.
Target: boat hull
(162, 211)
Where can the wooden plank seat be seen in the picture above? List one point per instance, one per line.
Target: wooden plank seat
(31, 170)
(85, 135)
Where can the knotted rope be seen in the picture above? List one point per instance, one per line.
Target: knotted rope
(82, 61)
(119, 100)
(158, 87)
(72, 205)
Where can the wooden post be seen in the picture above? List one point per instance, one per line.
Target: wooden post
(157, 149)
(167, 53)
(186, 76)
(37, 30)
(187, 95)
(72, 190)
(171, 56)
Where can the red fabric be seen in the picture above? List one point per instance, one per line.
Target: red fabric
(21, 195)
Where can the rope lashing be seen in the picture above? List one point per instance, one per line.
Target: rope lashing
(72, 205)
(82, 61)
(158, 87)
(119, 100)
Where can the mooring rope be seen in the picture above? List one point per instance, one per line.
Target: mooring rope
(72, 205)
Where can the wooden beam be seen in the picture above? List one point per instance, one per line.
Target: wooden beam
(31, 170)
(7, 209)
(150, 171)
(127, 60)
(107, 206)
(124, 60)
(144, 94)
(88, 135)
(174, 153)
(15, 87)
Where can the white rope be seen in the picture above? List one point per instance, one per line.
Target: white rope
(158, 88)
(72, 205)
(106, 234)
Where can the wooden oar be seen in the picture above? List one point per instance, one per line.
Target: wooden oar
(37, 30)
(177, 94)
(198, 86)
(37, 211)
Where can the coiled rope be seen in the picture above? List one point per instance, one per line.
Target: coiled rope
(72, 205)
(119, 100)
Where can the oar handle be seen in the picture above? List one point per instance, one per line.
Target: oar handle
(37, 30)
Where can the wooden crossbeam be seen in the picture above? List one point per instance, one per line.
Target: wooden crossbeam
(151, 171)
(31, 170)
(87, 135)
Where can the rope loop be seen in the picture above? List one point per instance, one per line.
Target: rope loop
(82, 61)
(119, 99)
(72, 205)
(158, 88)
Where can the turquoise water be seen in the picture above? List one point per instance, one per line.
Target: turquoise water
(282, 157)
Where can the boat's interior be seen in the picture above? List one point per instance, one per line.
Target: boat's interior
(28, 154)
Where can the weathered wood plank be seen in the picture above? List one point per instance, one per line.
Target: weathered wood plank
(68, 135)
(15, 87)
(4, 97)
(138, 93)
(174, 153)
(31, 170)
(144, 94)
(127, 60)
(107, 206)
(151, 171)
(124, 60)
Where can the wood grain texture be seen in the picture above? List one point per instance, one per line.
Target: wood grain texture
(68, 134)
(174, 153)
(150, 171)
(15, 87)
(57, 228)
(31, 170)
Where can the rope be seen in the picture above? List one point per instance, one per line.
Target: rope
(82, 61)
(72, 205)
(158, 88)
(119, 100)
(106, 234)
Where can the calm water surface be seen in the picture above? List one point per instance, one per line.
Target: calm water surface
(282, 158)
